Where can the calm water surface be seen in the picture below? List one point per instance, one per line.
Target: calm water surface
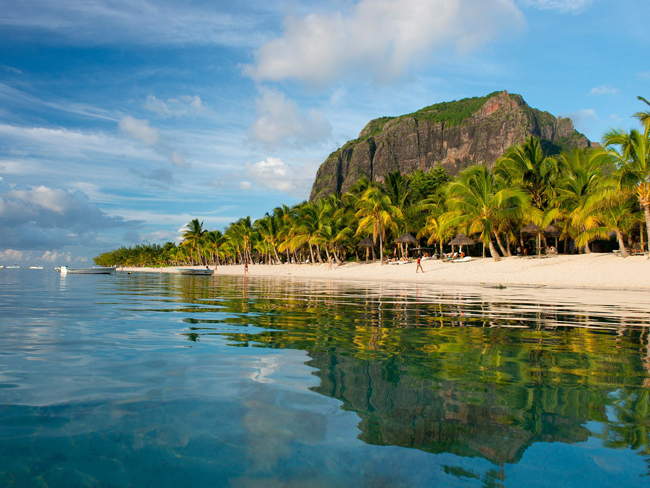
(165, 380)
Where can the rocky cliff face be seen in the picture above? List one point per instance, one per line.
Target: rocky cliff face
(454, 135)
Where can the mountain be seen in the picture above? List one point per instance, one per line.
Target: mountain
(454, 135)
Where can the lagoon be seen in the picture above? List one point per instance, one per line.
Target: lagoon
(167, 380)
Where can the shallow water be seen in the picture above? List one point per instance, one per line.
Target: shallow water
(166, 380)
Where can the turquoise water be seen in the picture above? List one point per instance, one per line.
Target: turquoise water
(165, 380)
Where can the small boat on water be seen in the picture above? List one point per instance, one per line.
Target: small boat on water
(196, 271)
(36, 267)
(65, 270)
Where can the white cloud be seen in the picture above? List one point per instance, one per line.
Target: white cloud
(178, 160)
(64, 143)
(140, 130)
(49, 218)
(56, 257)
(275, 174)
(176, 107)
(280, 121)
(583, 120)
(137, 21)
(644, 75)
(245, 185)
(562, 6)
(604, 90)
(380, 39)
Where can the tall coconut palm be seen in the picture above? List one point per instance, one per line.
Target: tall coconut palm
(481, 205)
(630, 152)
(193, 235)
(579, 186)
(377, 215)
(527, 166)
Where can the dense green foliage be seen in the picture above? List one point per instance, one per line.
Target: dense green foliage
(576, 197)
(452, 113)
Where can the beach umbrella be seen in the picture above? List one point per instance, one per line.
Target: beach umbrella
(367, 242)
(552, 231)
(461, 240)
(407, 239)
(531, 229)
(535, 230)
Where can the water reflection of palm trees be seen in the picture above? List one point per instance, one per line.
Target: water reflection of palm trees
(472, 372)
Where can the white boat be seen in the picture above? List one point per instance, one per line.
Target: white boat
(36, 267)
(65, 270)
(196, 271)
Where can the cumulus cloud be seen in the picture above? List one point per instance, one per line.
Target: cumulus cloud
(140, 130)
(562, 6)
(275, 174)
(176, 107)
(280, 121)
(48, 218)
(379, 39)
(143, 132)
(245, 185)
(604, 90)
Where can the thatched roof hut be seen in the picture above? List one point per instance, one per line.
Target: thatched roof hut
(462, 240)
(367, 242)
(406, 238)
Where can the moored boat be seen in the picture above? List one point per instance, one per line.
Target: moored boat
(36, 267)
(196, 271)
(65, 270)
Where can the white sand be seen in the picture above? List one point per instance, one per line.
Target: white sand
(588, 271)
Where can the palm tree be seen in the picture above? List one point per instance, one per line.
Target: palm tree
(527, 166)
(193, 235)
(578, 193)
(644, 117)
(376, 214)
(480, 205)
(630, 152)
(213, 241)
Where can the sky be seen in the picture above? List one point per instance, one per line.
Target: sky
(121, 121)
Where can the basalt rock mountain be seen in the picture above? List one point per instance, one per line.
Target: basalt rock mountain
(454, 135)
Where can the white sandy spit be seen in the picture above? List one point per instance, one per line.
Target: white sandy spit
(589, 271)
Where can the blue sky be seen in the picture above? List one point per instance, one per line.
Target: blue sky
(120, 121)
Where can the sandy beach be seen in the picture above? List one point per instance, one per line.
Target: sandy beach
(587, 271)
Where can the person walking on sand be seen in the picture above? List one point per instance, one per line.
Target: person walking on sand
(245, 268)
(419, 266)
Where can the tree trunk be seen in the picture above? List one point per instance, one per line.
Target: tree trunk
(587, 250)
(646, 211)
(381, 246)
(621, 244)
(311, 253)
(503, 251)
(493, 251)
(320, 258)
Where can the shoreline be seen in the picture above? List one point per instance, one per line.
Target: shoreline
(586, 271)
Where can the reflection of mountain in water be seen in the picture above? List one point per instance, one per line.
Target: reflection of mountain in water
(494, 422)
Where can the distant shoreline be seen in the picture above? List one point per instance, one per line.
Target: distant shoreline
(586, 271)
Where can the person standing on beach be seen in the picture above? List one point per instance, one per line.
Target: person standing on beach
(330, 265)
(245, 268)
(419, 266)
